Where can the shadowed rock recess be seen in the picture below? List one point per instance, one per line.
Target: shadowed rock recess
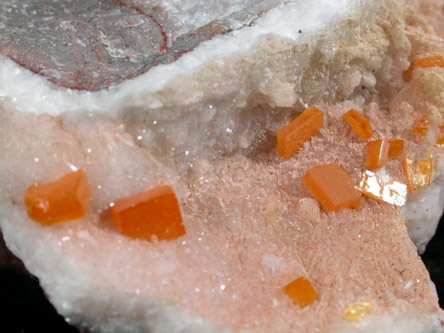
(183, 105)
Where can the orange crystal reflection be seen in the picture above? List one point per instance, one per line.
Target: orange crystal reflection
(356, 311)
(377, 154)
(435, 61)
(65, 199)
(419, 174)
(301, 292)
(421, 127)
(359, 124)
(396, 149)
(152, 213)
(394, 193)
(332, 187)
(300, 130)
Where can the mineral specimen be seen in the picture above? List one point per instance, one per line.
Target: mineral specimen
(191, 95)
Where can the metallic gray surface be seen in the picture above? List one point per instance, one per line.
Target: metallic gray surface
(92, 45)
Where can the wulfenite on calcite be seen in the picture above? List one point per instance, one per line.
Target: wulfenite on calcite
(187, 99)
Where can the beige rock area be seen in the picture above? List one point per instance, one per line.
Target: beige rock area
(251, 225)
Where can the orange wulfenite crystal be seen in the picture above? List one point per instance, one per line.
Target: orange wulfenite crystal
(359, 124)
(396, 149)
(436, 61)
(152, 213)
(377, 154)
(300, 130)
(301, 292)
(332, 187)
(65, 199)
(421, 127)
(418, 175)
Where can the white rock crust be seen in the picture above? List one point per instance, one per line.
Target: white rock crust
(423, 212)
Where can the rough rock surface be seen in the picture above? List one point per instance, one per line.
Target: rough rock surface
(205, 124)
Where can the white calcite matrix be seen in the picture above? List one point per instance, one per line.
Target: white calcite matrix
(203, 120)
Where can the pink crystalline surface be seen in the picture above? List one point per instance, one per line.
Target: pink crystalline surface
(247, 237)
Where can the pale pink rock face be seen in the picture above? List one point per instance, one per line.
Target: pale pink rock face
(252, 227)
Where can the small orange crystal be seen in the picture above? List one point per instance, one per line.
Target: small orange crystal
(300, 130)
(359, 124)
(419, 174)
(301, 292)
(152, 213)
(65, 199)
(421, 127)
(396, 149)
(332, 187)
(435, 61)
(377, 154)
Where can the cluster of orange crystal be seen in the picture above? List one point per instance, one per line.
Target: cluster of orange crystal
(330, 184)
(379, 151)
(293, 136)
(152, 213)
(301, 292)
(435, 61)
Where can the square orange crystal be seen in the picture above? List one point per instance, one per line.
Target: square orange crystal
(300, 130)
(66, 199)
(332, 187)
(396, 149)
(377, 154)
(152, 213)
(434, 61)
(301, 292)
(359, 124)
